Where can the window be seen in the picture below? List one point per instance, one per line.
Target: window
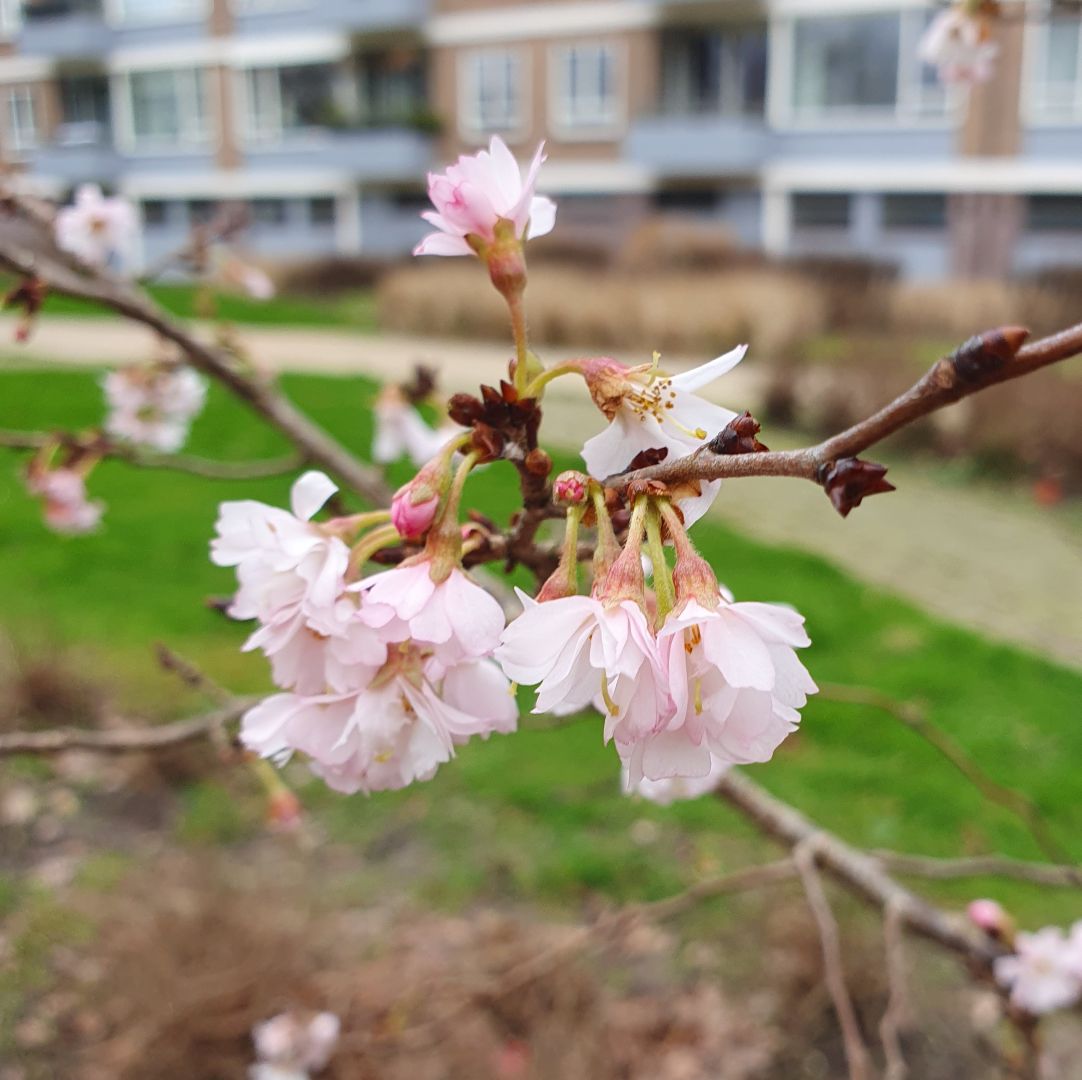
(491, 91)
(583, 88)
(392, 86)
(22, 128)
(11, 16)
(821, 211)
(1054, 213)
(411, 201)
(844, 63)
(169, 107)
(687, 200)
(155, 213)
(1056, 92)
(914, 211)
(714, 71)
(321, 211)
(283, 100)
(160, 10)
(268, 211)
(200, 211)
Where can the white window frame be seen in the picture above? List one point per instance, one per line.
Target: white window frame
(907, 110)
(469, 119)
(1035, 111)
(193, 140)
(118, 12)
(11, 17)
(258, 7)
(18, 139)
(275, 135)
(610, 120)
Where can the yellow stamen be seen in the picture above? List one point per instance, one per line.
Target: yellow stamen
(698, 696)
(614, 709)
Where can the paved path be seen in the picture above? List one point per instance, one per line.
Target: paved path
(988, 560)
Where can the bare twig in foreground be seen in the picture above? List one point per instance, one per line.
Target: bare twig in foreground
(1052, 875)
(856, 1053)
(897, 1012)
(123, 740)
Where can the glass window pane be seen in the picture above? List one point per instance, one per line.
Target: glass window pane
(914, 211)
(846, 62)
(155, 108)
(818, 211)
(1054, 213)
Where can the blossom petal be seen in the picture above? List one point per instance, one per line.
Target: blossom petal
(310, 492)
(439, 243)
(706, 373)
(542, 216)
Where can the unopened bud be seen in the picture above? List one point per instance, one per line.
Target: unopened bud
(284, 811)
(538, 463)
(990, 917)
(571, 488)
(413, 509)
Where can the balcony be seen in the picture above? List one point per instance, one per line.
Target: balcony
(64, 29)
(366, 154)
(351, 16)
(79, 153)
(705, 144)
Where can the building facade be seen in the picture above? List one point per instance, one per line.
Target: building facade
(799, 126)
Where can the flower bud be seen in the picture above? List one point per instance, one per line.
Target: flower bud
(989, 916)
(571, 488)
(413, 509)
(283, 811)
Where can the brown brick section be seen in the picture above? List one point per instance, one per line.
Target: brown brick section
(220, 22)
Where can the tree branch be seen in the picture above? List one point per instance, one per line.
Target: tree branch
(61, 272)
(209, 468)
(1052, 875)
(124, 740)
(994, 357)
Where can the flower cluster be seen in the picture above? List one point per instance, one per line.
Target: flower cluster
(383, 676)
(66, 506)
(689, 681)
(289, 1047)
(95, 228)
(153, 405)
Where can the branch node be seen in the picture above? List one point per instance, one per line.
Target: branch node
(974, 360)
(738, 437)
(848, 481)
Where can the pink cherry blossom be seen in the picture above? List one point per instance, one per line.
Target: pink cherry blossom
(990, 917)
(577, 650)
(648, 411)
(95, 228)
(456, 618)
(736, 684)
(67, 508)
(958, 45)
(153, 406)
(1045, 971)
(677, 788)
(478, 192)
(290, 1047)
(398, 730)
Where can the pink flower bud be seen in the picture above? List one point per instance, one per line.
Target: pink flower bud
(284, 811)
(570, 488)
(990, 917)
(413, 508)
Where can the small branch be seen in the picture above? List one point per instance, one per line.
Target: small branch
(208, 468)
(897, 1013)
(1048, 874)
(751, 877)
(856, 1053)
(856, 870)
(123, 740)
(63, 276)
(1015, 802)
(190, 675)
(994, 357)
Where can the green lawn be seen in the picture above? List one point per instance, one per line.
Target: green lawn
(353, 309)
(538, 815)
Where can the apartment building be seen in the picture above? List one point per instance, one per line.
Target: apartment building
(800, 126)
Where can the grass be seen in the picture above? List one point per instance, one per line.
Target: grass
(352, 310)
(538, 815)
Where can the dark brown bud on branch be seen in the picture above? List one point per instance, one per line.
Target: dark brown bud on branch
(986, 353)
(850, 480)
(738, 437)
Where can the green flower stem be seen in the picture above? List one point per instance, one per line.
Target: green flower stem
(663, 585)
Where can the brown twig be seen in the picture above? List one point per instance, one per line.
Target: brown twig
(914, 718)
(991, 358)
(192, 676)
(897, 1013)
(208, 468)
(858, 871)
(125, 740)
(1050, 875)
(856, 1053)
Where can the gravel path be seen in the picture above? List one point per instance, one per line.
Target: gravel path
(988, 560)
